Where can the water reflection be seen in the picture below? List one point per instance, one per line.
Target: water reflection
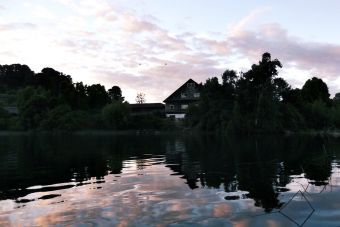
(170, 180)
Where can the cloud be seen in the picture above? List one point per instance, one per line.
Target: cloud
(158, 81)
(17, 26)
(101, 42)
(39, 11)
(250, 18)
(321, 58)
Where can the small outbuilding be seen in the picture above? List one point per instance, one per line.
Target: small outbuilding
(147, 109)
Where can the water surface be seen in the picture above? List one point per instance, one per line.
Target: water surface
(127, 180)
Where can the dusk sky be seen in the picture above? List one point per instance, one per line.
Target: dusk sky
(154, 46)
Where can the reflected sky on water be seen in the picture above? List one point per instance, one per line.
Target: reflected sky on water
(167, 180)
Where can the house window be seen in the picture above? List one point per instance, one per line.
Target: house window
(190, 85)
(183, 95)
(172, 107)
(196, 95)
(184, 106)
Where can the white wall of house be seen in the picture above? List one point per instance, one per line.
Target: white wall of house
(177, 116)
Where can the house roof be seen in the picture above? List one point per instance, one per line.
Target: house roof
(179, 89)
(146, 105)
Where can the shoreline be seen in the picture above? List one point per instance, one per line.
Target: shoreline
(332, 133)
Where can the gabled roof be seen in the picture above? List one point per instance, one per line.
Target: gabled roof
(180, 88)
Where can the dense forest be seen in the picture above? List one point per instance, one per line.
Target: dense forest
(260, 101)
(49, 100)
(246, 102)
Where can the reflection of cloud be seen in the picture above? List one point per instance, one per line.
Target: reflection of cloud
(222, 210)
(152, 195)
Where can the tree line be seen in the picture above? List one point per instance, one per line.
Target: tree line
(50, 100)
(258, 100)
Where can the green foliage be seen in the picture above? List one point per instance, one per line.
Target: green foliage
(97, 96)
(33, 105)
(258, 93)
(259, 101)
(151, 122)
(4, 116)
(64, 118)
(116, 115)
(253, 101)
(16, 75)
(215, 106)
(291, 118)
(317, 115)
(315, 89)
(335, 116)
(115, 94)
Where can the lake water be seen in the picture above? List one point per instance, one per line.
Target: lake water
(168, 180)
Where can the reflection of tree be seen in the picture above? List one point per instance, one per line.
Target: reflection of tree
(261, 166)
(317, 164)
(46, 160)
(259, 181)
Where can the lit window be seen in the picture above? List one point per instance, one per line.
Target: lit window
(184, 106)
(196, 95)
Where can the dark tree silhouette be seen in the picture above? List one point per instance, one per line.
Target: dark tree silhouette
(97, 96)
(16, 75)
(115, 94)
(315, 89)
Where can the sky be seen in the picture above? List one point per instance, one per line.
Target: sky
(154, 46)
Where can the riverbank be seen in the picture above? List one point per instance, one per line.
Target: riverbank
(324, 133)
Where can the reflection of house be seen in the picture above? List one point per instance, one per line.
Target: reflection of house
(178, 102)
(147, 109)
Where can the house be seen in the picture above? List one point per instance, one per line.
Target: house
(147, 109)
(178, 102)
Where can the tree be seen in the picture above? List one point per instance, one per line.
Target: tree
(140, 98)
(97, 96)
(33, 105)
(116, 115)
(281, 88)
(81, 96)
(54, 81)
(315, 89)
(16, 75)
(258, 92)
(62, 117)
(229, 77)
(115, 94)
(4, 117)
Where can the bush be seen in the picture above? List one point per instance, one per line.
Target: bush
(116, 115)
(64, 118)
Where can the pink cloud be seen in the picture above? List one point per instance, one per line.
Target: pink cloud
(321, 58)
